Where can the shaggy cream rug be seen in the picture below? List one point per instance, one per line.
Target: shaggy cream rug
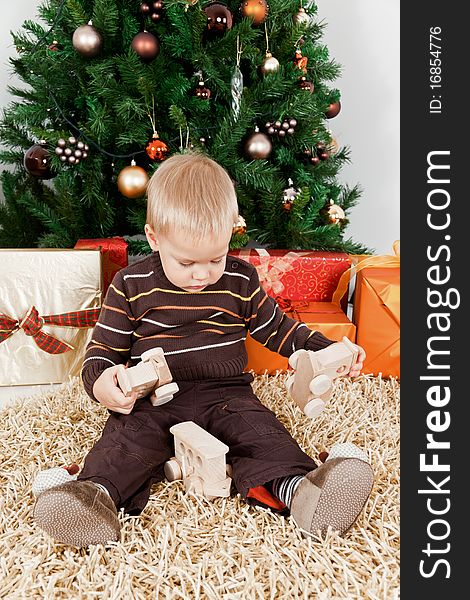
(185, 546)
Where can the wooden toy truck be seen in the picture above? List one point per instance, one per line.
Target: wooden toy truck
(200, 461)
(150, 376)
(312, 383)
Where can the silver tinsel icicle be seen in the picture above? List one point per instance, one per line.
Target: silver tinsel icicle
(237, 90)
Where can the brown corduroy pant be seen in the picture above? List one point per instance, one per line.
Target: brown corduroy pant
(130, 455)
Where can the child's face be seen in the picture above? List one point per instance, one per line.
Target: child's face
(190, 265)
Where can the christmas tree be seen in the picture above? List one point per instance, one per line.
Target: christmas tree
(114, 87)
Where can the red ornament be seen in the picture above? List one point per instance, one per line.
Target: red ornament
(157, 149)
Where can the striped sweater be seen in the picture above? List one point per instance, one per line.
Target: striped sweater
(202, 333)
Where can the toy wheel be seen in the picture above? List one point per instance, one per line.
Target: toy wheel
(319, 385)
(164, 393)
(173, 470)
(293, 358)
(314, 408)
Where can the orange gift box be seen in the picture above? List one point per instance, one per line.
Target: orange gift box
(376, 310)
(325, 317)
(377, 318)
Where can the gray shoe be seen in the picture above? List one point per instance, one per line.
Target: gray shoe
(77, 513)
(333, 495)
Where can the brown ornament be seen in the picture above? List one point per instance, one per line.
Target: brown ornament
(322, 152)
(257, 10)
(312, 157)
(146, 45)
(132, 181)
(202, 91)
(36, 161)
(306, 85)
(270, 64)
(219, 18)
(258, 145)
(153, 10)
(71, 151)
(87, 40)
(277, 128)
(157, 149)
(333, 110)
(54, 46)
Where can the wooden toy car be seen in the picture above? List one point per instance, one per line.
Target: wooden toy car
(312, 383)
(150, 376)
(200, 461)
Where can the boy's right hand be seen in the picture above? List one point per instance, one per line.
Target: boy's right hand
(108, 393)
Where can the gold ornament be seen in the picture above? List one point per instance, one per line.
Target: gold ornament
(132, 181)
(333, 212)
(332, 146)
(269, 64)
(87, 40)
(258, 145)
(240, 226)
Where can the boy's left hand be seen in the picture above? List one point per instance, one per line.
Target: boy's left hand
(357, 367)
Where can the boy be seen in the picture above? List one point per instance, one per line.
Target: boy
(196, 302)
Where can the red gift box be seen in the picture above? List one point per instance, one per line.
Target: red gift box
(113, 255)
(299, 275)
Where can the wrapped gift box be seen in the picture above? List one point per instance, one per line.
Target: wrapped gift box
(299, 275)
(325, 317)
(377, 318)
(114, 255)
(49, 302)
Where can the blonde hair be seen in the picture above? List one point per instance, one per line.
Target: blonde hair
(191, 193)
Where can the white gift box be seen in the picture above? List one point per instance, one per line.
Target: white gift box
(54, 281)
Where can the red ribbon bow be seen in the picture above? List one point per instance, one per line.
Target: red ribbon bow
(290, 306)
(32, 325)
